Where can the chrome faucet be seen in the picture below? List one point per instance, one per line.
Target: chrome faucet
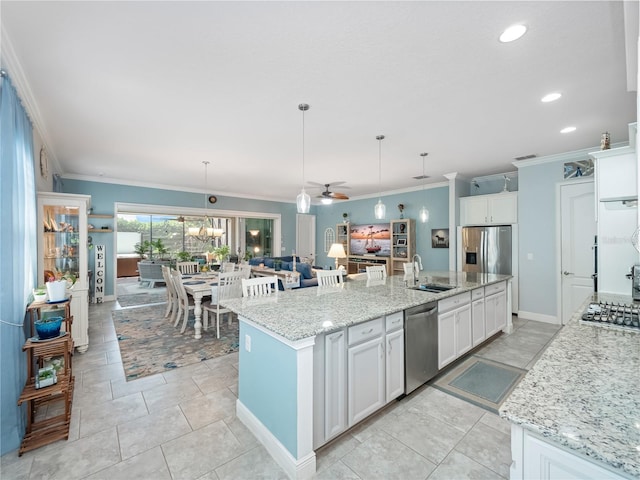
(416, 266)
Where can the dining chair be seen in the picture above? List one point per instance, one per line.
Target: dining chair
(329, 277)
(411, 268)
(260, 286)
(187, 267)
(185, 302)
(229, 286)
(376, 272)
(245, 268)
(227, 267)
(172, 298)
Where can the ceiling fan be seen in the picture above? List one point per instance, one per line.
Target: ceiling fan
(328, 196)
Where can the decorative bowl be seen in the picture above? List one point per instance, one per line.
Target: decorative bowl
(48, 327)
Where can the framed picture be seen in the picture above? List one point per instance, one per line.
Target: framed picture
(402, 242)
(440, 238)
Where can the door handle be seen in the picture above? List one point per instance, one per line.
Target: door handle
(567, 273)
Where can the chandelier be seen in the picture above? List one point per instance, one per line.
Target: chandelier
(206, 231)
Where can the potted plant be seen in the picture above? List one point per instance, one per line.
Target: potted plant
(48, 327)
(143, 248)
(40, 293)
(221, 252)
(159, 248)
(58, 283)
(183, 256)
(46, 376)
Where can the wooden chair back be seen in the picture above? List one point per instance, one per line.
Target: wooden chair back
(259, 286)
(329, 277)
(187, 268)
(376, 272)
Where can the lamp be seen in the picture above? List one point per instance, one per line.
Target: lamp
(205, 231)
(303, 201)
(336, 251)
(380, 210)
(424, 212)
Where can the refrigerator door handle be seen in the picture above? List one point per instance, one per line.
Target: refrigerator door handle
(483, 251)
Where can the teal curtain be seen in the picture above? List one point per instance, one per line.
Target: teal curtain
(18, 251)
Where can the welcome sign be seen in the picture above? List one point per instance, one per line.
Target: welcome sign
(98, 289)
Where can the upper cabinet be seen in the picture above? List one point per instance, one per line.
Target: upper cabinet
(494, 209)
(616, 174)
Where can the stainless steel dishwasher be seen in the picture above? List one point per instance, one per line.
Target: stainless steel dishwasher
(420, 345)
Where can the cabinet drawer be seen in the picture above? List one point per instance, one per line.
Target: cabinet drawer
(477, 294)
(495, 288)
(453, 302)
(394, 321)
(365, 331)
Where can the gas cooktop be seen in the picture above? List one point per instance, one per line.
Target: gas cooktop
(623, 315)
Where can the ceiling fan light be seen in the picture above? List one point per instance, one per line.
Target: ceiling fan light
(380, 210)
(327, 201)
(424, 215)
(303, 202)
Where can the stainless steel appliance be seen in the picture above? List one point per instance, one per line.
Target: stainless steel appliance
(421, 345)
(486, 249)
(635, 282)
(624, 315)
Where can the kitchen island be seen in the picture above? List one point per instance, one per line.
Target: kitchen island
(278, 367)
(576, 414)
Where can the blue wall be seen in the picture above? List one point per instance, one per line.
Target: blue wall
(361, 212)
(268, 385)
(105, 195)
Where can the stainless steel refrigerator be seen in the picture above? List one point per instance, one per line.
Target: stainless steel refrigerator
(486, 250)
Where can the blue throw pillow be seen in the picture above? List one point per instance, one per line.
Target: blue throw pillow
(305, 270)
(268, 262)
(256, 261)
(286, 266)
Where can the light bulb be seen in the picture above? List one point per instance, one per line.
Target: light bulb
(303, 202)
(424, 215)
(380, 210)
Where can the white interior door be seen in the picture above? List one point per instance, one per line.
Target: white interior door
(578, 230)
(306, 235)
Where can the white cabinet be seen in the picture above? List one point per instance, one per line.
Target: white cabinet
(394, 366)
(62, 247)
(495, 302)
(537, 458)
(616, 174)
(478, 327)
(365, 366)
(454, 328)
(335, 391)
(494, 209)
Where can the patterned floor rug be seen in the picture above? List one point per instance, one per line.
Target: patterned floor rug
(150, 344)
(142, 299)
(480, 381)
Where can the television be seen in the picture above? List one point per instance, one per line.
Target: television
(370, 239)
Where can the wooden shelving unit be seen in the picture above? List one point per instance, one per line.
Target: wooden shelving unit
(342, 236)
(43, 432)
(403, 244)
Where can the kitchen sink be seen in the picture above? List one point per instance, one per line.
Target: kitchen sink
(433, 287)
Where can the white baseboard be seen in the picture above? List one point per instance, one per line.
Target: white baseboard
(539, 317)
(296, 469)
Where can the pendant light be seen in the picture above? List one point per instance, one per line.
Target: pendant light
(380, 210)
(303, 201)
(424, 212)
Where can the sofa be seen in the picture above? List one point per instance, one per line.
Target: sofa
(307, 273)
(150, 271)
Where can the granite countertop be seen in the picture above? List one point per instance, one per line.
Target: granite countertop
(584, 392)
(306, 312)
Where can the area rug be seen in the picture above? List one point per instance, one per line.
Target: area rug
(483, 382)
(150, 344)
(142, 299)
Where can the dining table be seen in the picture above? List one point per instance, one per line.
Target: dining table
(199, 285)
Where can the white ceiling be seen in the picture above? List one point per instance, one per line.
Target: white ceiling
(146, 91)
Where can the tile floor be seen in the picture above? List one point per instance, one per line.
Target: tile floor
(182, 425)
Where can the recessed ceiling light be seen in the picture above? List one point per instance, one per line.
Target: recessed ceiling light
(568, 130)
(512, 33)
(550, 97)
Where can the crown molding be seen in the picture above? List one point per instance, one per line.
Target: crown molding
(562, 157)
